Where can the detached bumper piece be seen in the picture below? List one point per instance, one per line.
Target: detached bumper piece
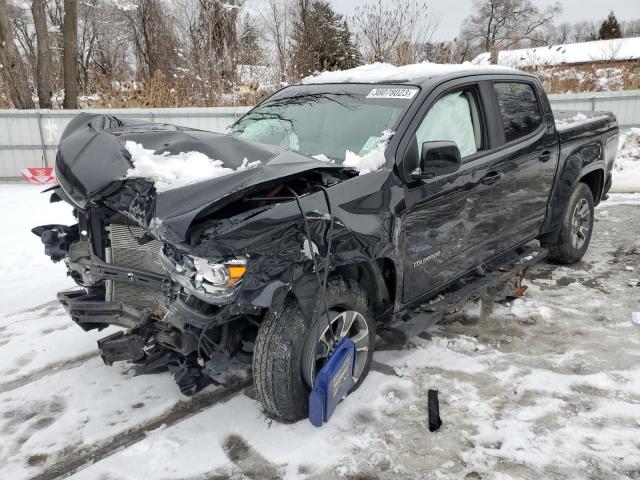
(118, 346)
(91, 311)
(152, 345)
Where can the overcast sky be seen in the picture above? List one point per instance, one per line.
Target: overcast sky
(452, 12)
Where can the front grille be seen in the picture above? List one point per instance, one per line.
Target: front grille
(125, 251)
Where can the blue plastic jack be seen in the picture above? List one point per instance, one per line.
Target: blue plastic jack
(332, 383)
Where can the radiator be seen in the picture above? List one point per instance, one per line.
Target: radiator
(125, 251)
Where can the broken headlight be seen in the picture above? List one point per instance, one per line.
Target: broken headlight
(204, 278)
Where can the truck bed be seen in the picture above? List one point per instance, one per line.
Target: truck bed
(573, 123)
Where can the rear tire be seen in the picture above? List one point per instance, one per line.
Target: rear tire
(286, 341)
(575, 230)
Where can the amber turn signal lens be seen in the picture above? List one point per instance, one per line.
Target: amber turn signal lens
(235, 272)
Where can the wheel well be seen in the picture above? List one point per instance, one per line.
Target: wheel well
(595, 181)
(377, 277)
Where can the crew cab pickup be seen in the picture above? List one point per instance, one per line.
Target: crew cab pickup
(351, 205)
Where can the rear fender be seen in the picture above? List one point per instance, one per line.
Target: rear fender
(578, 163)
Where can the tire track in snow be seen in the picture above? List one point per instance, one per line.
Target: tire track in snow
(52, 304)
(47, 370)
(79, 458)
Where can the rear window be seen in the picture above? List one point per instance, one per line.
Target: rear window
(519, 107)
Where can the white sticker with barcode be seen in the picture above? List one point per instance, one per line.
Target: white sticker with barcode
(406, 93)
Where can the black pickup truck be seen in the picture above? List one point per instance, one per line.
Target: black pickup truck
(343, 209)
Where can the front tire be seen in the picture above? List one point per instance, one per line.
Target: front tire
(289, 351)
(575, 230)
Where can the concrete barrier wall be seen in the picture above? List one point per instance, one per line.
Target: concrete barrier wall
(625, 105)
(29, 138)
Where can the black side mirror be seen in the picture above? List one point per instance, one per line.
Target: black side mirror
(437, 158)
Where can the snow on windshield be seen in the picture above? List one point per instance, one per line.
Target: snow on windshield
(386, 72)
(372, 160)
(169, 171)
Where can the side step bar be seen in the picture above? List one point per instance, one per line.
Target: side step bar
(419, 318)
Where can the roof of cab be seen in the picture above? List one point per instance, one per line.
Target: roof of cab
(414, 74)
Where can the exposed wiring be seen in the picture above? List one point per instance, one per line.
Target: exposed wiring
(327, 259)
(321, 282)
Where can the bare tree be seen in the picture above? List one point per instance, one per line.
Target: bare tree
(153, 37)
(504, 24)
(43, 68)
(563, 33)
(87, 39)
(70, 54)
(584, 31)
(213, 43)
(631, 28)
(24, 36)
(395, 32)
(112, 42)
(417, 34)
(275, 16)
(12, 66)
(553, 35)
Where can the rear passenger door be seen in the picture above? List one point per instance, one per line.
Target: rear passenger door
(529, 159)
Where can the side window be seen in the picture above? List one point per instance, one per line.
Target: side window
(520, 110)
(455, 118)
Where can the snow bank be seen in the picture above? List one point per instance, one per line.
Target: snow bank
(626, 171)
(371, 161)
(385, 72)
(170, 171)
(585, 52)
(29, 277)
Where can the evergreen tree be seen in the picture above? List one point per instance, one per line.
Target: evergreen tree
(321, 39)
(610, 28)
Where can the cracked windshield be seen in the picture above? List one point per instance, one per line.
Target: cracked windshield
(327, 125)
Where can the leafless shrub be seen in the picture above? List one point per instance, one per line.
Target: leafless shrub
(504, 24)
(396, 32)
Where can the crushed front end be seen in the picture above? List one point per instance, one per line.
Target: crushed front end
(175, 311)
(186, 275)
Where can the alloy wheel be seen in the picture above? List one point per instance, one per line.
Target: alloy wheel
(348, 323)
(580, 223)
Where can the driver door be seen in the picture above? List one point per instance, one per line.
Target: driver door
(451, 222)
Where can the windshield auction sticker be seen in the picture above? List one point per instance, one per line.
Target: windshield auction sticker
(407, 93)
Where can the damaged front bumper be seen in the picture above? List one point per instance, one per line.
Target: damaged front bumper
(165, 326)
(91, 311)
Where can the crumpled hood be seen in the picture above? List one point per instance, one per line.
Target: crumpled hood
(92, 163)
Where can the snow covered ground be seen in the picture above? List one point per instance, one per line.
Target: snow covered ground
(570, 53)
(626, 173)
(547, 386)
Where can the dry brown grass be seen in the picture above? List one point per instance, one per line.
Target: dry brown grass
(594, 77)
(160, 92)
